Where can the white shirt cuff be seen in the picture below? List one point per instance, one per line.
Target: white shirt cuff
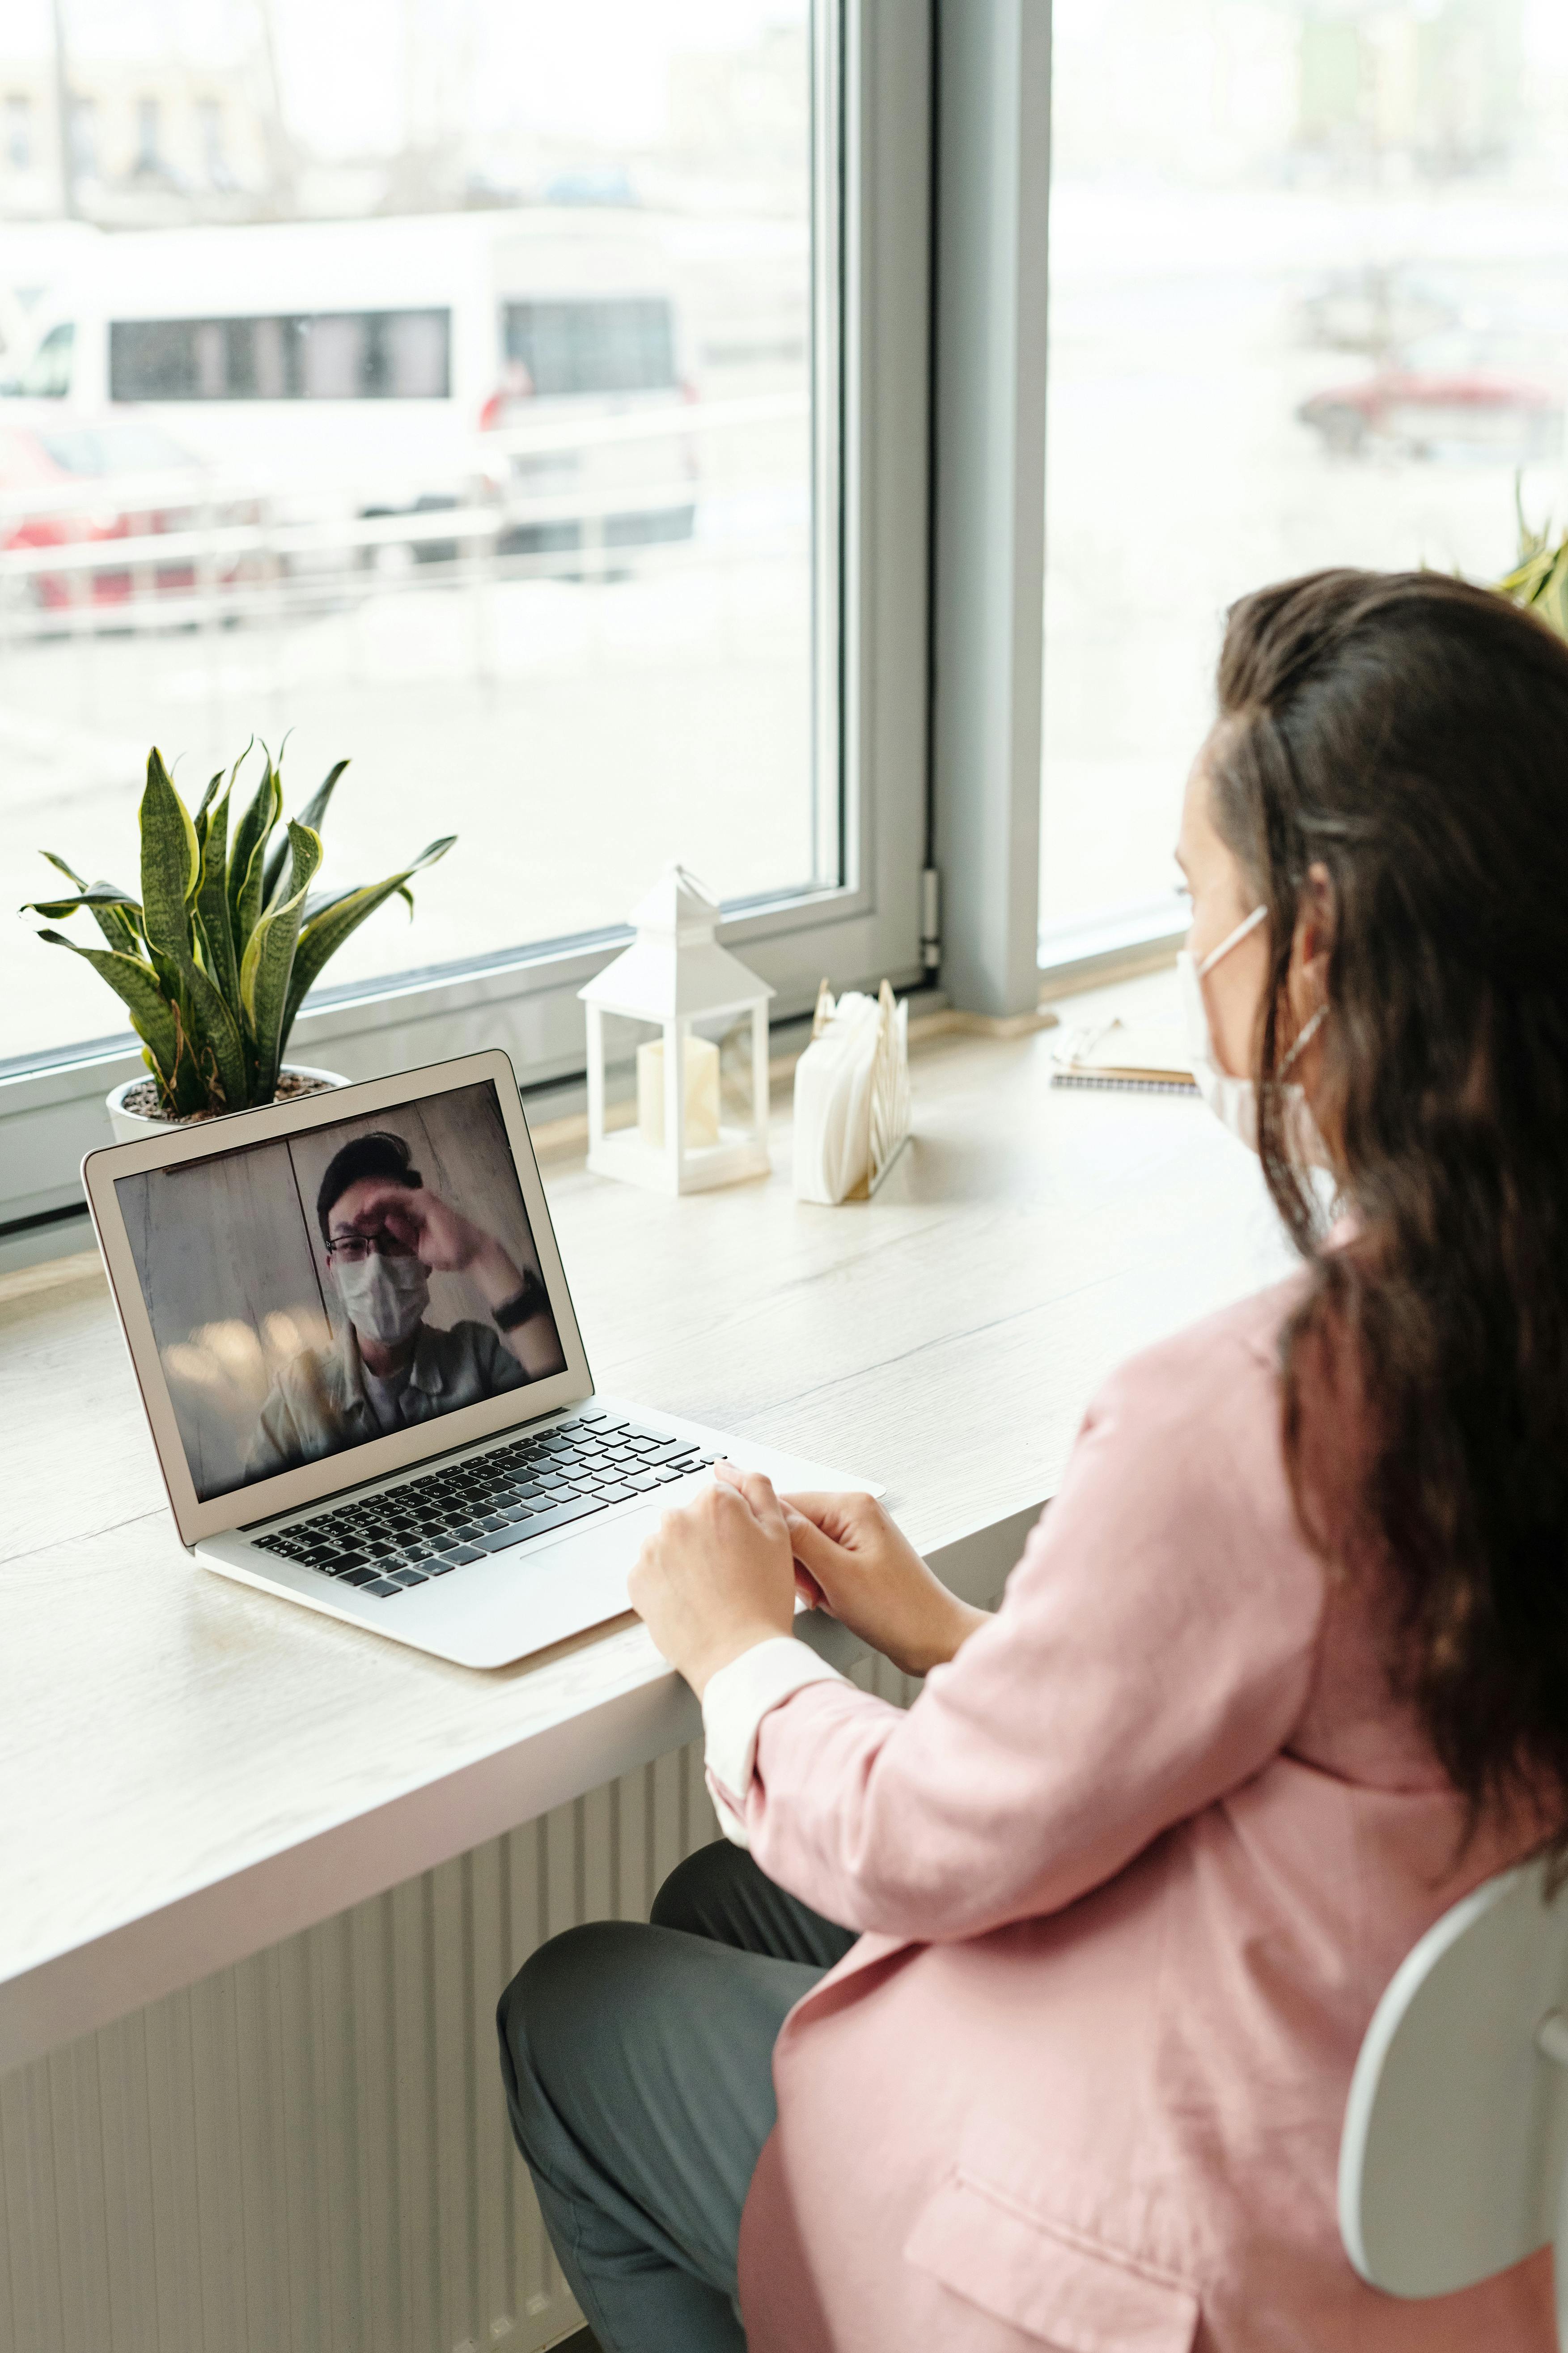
(733, 1705)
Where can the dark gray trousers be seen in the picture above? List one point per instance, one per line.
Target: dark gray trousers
(637, 2063)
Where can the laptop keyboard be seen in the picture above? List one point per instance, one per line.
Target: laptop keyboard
(385, 1543)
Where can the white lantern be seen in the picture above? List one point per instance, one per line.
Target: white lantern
(675, 975)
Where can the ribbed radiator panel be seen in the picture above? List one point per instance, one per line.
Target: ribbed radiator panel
(310, 2153)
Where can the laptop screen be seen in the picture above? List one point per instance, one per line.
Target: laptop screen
(328, 1288)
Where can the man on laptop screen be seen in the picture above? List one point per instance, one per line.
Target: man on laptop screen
(316, 1293)
(385, 1233)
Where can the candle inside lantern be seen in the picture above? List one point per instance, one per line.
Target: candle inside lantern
(701, 1069)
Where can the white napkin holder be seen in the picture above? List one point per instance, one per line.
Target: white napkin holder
(851, 1096)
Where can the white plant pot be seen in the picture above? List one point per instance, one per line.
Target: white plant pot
(130, 1127)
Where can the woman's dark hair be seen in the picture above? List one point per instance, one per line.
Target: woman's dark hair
(1409, 734)
(379, 1153)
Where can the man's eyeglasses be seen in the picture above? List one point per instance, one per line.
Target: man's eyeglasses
(354, 1249)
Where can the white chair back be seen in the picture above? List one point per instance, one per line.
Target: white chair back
(1454, 2159)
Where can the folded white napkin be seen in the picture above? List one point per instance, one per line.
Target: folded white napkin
(851, 1096)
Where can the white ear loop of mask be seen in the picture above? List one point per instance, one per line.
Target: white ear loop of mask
(1304, 1037)
(1232, 939)
(1234, 1101)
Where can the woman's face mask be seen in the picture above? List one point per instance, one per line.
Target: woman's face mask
(385, 1297)
(1234, 1101)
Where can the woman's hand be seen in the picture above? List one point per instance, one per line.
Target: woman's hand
(716, 1578)
(864, 1570)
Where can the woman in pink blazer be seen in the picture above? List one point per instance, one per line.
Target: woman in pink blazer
(1026, 2017)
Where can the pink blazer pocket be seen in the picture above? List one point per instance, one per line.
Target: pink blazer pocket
(1049, 2283)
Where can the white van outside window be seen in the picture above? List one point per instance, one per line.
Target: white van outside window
(369, 368)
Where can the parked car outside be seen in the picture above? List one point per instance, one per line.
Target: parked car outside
(151, 486)
(1458, 393)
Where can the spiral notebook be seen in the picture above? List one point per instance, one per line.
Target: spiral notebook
(1144, 1057)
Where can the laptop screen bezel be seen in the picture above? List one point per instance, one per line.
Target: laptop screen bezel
(376, 1458)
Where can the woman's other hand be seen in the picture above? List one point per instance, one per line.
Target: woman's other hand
(864, 1570)
(716, 1578)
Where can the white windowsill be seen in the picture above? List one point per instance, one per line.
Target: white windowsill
(50, 1113)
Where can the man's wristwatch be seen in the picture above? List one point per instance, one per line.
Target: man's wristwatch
(532, 1300)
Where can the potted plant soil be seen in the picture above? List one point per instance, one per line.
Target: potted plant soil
(213, 961)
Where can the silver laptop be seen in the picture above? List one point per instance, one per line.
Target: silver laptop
(358, 1353)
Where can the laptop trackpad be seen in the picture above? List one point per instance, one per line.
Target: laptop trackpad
(525, 1600)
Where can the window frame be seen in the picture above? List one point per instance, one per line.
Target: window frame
(872, 163)
(991, 245)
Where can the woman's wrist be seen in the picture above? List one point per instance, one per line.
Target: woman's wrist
(704, 1661)
(951, 1623)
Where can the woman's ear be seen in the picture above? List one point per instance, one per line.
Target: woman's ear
(1313, 943)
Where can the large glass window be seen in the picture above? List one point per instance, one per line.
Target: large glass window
(480, 384)
(1309, 305)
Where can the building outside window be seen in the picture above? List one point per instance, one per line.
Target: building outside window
(210, 140)
(84, 137)
(149, 125)
(19, 132)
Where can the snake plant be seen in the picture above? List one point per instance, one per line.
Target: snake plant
(1540, 578)
(214, 959)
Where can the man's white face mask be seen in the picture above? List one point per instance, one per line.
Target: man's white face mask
(385, 1297)
(1234, 1101)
